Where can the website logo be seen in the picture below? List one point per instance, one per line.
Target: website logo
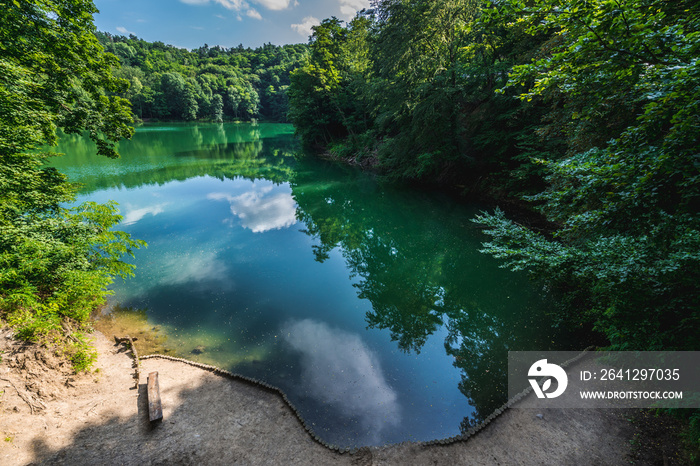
(549, 371)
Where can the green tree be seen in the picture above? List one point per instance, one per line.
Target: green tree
(252, 82)
(418, 56)
(412, 84)
(55, 261)
(217, 108)
(313, 86)
(326, 102)
(179, 96)
(628, 207)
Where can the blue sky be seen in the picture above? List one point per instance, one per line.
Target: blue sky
(192, 23)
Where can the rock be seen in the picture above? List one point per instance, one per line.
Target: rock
(540, 416)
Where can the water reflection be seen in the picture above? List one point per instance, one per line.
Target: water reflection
(262, 208)
(132, 214)
(392, 325)
(198, 270)
(157, 155)
(191, 267)
(339, 370)
(420, 269)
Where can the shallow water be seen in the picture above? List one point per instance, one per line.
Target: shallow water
(367, 303)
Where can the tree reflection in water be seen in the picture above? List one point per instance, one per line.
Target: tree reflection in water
(421, 270)
(413, 257)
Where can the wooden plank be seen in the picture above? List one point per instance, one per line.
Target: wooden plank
(155, 409)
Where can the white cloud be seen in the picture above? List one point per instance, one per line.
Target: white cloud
(220, 16)
(232, 4)
(180, 266)
(133, 215)
(260, 210)
(191, 266)
(242, 5)
(124, 30)
(304, 28)
(274, 4)
(341, 371)
(348, 8)
(253, 13)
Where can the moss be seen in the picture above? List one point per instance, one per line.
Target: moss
(122, 321)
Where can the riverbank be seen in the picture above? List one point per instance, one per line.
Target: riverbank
(52, 416)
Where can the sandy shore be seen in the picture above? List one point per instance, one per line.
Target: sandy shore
(50, 416)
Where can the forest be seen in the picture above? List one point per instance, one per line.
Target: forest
(584, 112)
(208, 83)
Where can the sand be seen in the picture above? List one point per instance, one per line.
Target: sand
(51, 416)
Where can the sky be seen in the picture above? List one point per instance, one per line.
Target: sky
(193, 23)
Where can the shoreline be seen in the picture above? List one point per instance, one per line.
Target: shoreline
(98, 417)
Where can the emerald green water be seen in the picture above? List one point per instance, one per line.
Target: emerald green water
(368, 304)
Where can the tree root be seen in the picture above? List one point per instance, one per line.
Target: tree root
(137, 363)
(33, 404)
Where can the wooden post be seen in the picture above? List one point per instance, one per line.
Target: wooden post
(155, 409)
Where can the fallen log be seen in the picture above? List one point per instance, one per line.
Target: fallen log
(155, 409)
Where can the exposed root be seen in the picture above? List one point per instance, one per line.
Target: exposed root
(33, 404)
(137, 363)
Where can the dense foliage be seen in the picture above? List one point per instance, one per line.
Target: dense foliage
(587, 109)
(411, 87)
(55, 262)
(626, 196)
(210, 83)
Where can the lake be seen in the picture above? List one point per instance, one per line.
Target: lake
(366, 302)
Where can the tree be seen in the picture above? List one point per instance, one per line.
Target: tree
(325, 99)
(418, 56)
(312, 87)
(627, 207)
(179, 96)
(55, 262)
(411, 84)
(217, 107)
(252, 83)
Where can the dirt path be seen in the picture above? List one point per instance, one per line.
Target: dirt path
(49, 416)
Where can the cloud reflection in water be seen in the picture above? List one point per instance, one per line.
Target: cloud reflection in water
(133, 215)
(339, 370)
(177, 268)
(260, 209)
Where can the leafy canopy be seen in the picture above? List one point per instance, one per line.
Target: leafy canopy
(628, 207)
(55, 261)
